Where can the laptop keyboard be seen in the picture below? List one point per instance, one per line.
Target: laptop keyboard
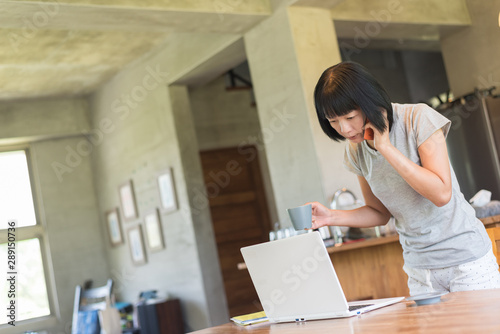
(355, 307)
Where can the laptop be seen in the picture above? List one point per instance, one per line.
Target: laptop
(295, 281)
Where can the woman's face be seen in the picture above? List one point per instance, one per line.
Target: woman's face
(350, 126)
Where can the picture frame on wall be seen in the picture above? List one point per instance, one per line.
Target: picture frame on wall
(127, 200)
(114, 227)
(154, 232)
(136, 245)
(168, 198)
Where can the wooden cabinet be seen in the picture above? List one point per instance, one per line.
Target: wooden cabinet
(374, 268)
(371, 269)
(161, 318)
(494, 234)
(492, 225)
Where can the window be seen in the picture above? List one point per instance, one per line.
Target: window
(16, 204)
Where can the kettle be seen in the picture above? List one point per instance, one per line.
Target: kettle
(344, 199)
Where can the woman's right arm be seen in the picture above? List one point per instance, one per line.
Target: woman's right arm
(374, 213)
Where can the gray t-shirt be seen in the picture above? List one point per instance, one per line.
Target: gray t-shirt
(432, 237)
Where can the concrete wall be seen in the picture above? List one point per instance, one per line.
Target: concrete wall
(287, 54)
(41, 119)
(75, 233)
(151, 130)
(471, 55)
(283, 113)
(439, 12)
(316, 48)
(65, 194)
(198, 211)
(225, 118)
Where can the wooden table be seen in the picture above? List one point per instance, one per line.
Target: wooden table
(458, 312)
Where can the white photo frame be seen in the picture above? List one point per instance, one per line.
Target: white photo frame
(136, 245)
(127, 200)
(114, 227)
(154, 232)
(168, 199)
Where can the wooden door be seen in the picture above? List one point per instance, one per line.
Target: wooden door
(240, 218)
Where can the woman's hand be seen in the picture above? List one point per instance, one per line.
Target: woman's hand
(381, 139)
(365, 216)
(321, 215)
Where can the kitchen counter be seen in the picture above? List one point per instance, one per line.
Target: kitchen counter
(363, 243)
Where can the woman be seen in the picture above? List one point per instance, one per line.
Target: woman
(404, 171)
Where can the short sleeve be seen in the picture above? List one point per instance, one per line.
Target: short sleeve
(425, 121)
(351, 159)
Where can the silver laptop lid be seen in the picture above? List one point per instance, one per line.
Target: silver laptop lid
(295, 279)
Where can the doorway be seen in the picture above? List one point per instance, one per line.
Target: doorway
(240, 217)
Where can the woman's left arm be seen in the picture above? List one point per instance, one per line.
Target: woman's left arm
(431, 180)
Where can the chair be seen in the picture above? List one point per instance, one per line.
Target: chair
(494, 234)
(90, 300)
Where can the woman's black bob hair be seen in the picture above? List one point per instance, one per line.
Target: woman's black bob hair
(348, 86)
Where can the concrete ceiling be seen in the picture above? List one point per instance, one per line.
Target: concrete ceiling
(400, 25)
(70, 47)
(60, 48)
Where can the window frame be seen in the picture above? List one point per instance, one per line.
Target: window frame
(39, 232)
